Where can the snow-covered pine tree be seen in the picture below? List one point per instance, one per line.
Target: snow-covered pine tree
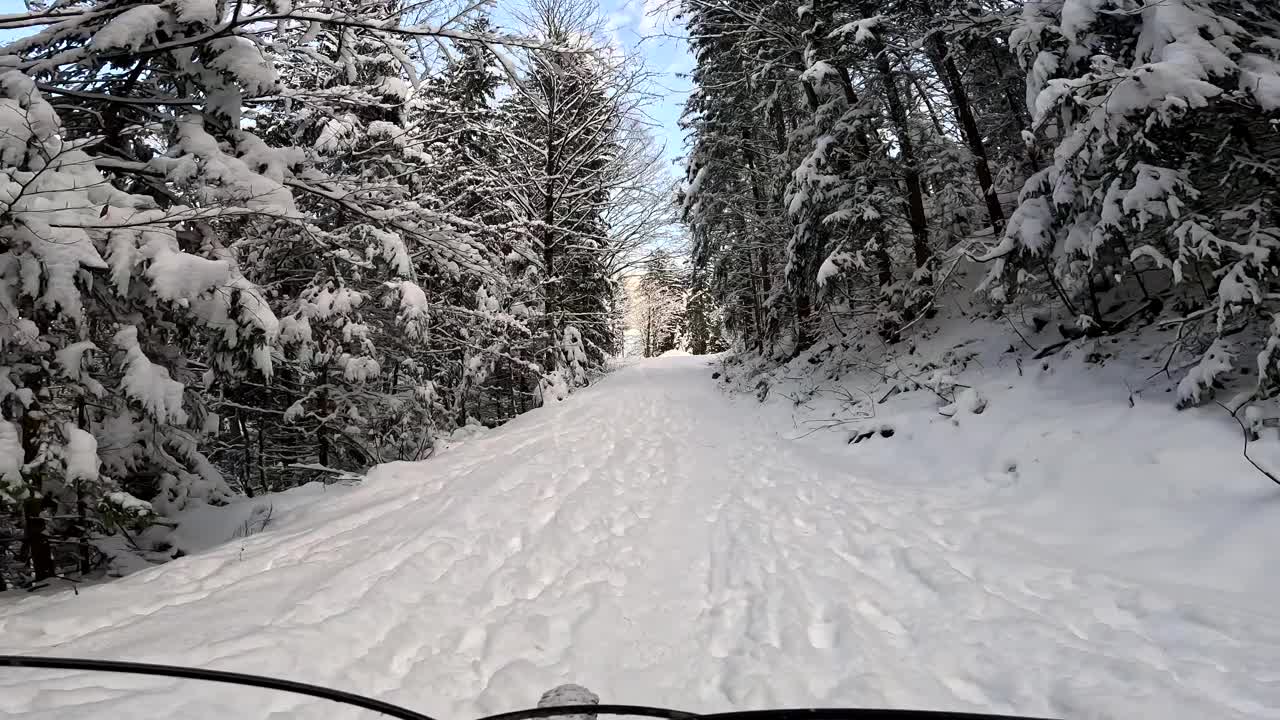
(1162, 120)
(657, 305)
(853, 179)
(212, 224)
(565, 148)
(739, 115)
(703, 317)
(852, 162)
(354, 315)
(102, 293)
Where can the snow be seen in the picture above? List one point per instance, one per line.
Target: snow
(818, 72)
(384, 129)
(71, 357)
(395, 87)
(132, 28)
(662, 542)
(61, 254)
(204, 12)
(391, 247)
(361, 369)
(968, 402)
(201, 526)
(862, 30)
(1217, 360)
(129, 504)
(81, 454)
(147, 383)
(1260, 76)
(835, 263)
(334, 134)
(241, 58)
(24, 116)
(11, 483)
(177, 275)
(234, 180)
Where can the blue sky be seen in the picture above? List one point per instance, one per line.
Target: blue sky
(642, 27)
(9, 7)
(645, 26)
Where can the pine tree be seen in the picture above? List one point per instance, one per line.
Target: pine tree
(1164, 156)
(657, 305)
(247, 254)
(564, 150)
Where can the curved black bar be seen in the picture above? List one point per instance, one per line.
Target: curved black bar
(132, 668)
(779, 714)
(53, 663)
(857, 714)
(561, 710)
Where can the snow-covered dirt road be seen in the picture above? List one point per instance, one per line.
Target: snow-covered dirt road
(661, 543)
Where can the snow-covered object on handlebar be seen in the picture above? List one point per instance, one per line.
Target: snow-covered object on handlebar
(573, 702)
(569, 695)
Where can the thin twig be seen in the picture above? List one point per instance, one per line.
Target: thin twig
(1020, 335)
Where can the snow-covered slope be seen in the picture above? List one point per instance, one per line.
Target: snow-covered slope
(662, 542)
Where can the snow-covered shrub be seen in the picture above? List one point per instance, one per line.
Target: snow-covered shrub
(1164, 124)
(97, 301)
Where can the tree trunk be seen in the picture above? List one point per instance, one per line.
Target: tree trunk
(648, 333)
(550, 300)
(34, 525)
(82, 510)
(911, 171)
(968, 124)
(808, 254)
(37, 542)
(247, 449)
(322, 438)
(82, 529)
(884, 262)
(262, 470)
(851, 98)
(759, 287)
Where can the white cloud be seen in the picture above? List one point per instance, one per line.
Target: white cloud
(655, 15)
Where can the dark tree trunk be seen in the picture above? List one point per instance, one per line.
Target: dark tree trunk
(36, 539)
(910, 162)
(760, 285)
(34, 536)
(262, 470)
(322, 437)
(247, 449)
(82, 510)
(549, 170)
(968, 124)
(884, 263)
(82, 529)
(910, 168)
(809, 254)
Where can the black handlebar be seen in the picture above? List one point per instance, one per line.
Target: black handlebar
(395, 711)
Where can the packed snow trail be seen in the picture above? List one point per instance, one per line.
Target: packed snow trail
(661, 543)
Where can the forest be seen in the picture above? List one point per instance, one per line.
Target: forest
(250, 246)
(1112, 160)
